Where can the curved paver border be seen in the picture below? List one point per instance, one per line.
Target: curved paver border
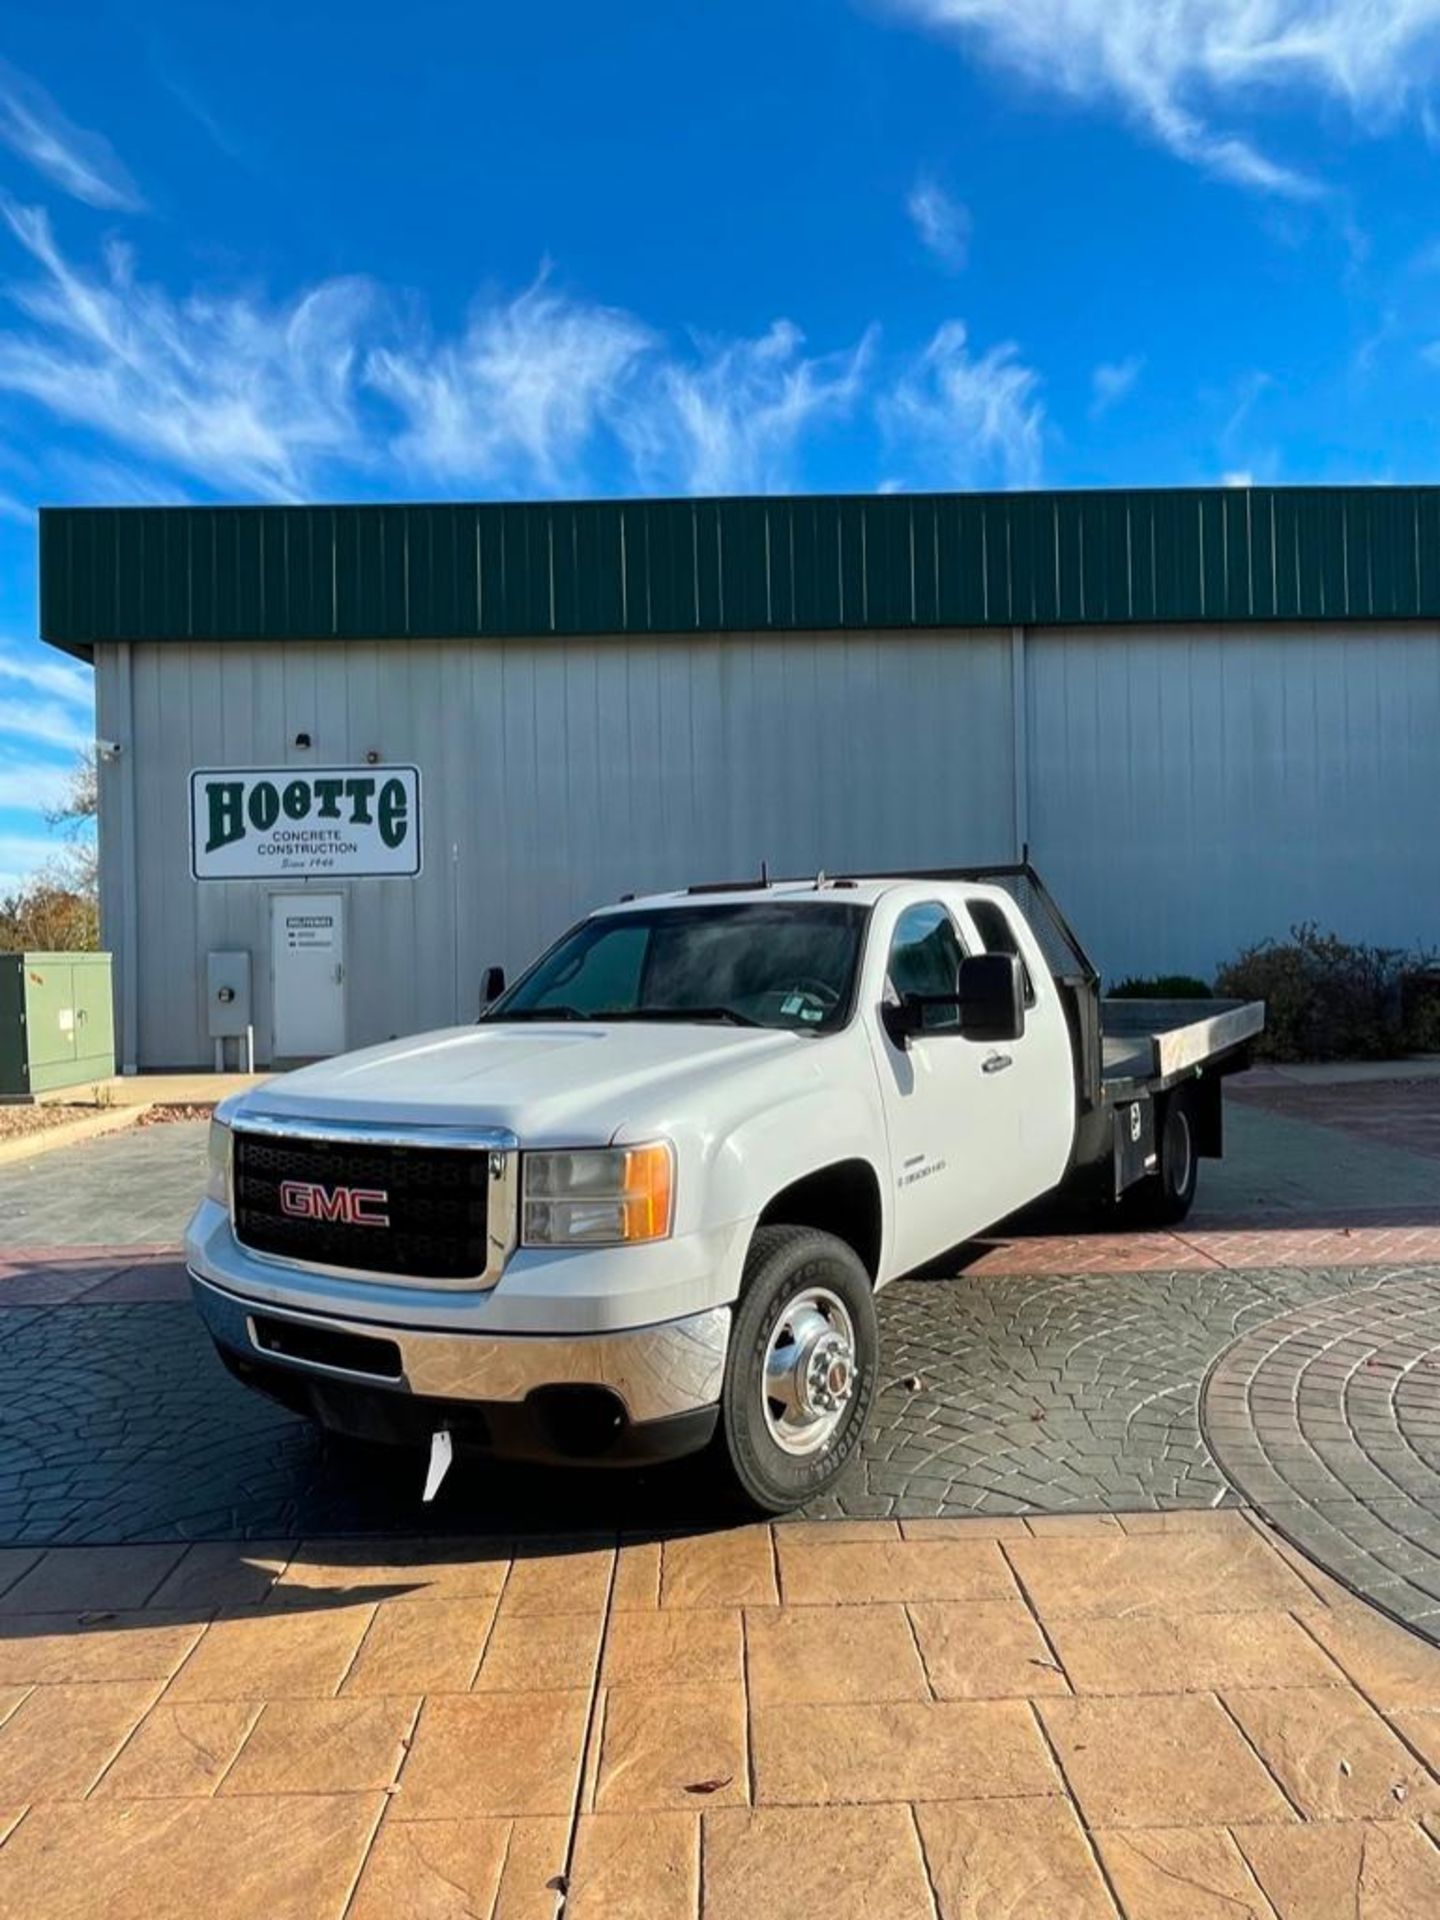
(1327, 1419)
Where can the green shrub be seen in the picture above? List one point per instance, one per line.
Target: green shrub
(1160, 986)
(1331, 999)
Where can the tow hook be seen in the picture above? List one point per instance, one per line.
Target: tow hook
(442, 1452)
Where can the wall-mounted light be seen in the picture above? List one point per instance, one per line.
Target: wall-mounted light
(302, 739)
(372, 756)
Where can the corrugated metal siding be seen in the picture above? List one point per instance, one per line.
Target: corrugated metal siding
(685, 567)
(1194, 790)
(554, 778)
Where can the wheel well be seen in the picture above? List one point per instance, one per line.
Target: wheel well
(843, 1200)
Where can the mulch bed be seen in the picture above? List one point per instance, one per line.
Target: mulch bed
(18, 1121)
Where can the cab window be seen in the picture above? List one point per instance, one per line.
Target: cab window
(925, 956)
(992, 923)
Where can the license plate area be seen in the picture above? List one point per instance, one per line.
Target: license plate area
(326, 1347)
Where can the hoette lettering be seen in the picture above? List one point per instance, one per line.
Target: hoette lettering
(226, 803)
(360, 792)
(263, 805)
(285, 816)
(393, 812)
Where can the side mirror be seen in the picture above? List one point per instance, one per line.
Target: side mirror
(492, 985)
(902, 1019)
(992, 997)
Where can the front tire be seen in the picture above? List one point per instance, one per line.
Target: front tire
(800, 1374)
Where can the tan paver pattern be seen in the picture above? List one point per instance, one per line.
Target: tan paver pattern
(1147, 1717)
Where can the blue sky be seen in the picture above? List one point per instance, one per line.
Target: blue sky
(459, 250)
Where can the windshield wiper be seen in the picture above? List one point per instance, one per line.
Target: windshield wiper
(701, 1015)
(728, 1016)
(538, 1013)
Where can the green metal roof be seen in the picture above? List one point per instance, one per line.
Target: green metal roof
(888, 561)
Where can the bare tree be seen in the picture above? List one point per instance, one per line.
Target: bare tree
(77, 869)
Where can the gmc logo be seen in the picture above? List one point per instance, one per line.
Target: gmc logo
(351, 1206)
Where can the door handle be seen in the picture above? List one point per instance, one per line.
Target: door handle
(996, 1062)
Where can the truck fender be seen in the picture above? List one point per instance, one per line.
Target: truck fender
(771, 1150)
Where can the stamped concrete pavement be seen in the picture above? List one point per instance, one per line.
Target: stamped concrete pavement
(925, 1721)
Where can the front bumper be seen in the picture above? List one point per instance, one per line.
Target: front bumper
(644, 1393)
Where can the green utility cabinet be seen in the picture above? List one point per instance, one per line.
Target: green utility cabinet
(56, 1024)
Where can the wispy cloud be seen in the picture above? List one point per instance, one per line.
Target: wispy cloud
(23, 855)
(1111, 381)
(53, 677)
(237, 392)
(30, 785)
(942, 222)
(50, 722)
(516, 400)
(730, 419)
(1172, 64)
(537, 394)
(80, 163)
(1246, 396)
(44, 703)
(964, 421)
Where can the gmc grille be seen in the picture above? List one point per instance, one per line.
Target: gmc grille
(437, 1204)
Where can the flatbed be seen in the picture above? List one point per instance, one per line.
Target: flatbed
(1148, 1046)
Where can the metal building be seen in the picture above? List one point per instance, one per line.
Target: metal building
(425, 738)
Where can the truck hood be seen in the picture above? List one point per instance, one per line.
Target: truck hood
(570, 1083)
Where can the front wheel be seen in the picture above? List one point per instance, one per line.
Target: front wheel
(800, 1373)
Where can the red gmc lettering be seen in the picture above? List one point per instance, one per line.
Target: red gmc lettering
(352, 1206)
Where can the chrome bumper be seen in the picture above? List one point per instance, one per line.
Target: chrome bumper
(672, 1368)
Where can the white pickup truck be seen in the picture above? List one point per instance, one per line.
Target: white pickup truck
(643, 1206)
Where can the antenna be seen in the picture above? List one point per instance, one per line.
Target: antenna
(764, 873)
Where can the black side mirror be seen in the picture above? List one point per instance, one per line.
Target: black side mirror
(903, 1018)
(492, 985)
(992, 997)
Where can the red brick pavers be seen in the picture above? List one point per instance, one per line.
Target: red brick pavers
(1235, 1248)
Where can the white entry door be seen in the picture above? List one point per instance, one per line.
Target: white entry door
(307, 962)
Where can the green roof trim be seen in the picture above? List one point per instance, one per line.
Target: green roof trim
(881, 562)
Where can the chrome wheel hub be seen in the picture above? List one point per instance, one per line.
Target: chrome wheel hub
(809, 1376)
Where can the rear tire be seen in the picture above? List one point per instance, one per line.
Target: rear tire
(1164, 1199)
(801, 1370)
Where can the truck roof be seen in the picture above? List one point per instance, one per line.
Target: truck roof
(817, 889)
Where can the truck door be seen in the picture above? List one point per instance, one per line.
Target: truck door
(938, 1101)
(1031, 1093)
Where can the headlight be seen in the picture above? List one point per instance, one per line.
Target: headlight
(598, 1196)
(217, 1163)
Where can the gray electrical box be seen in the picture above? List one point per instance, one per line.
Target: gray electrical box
(227, 995)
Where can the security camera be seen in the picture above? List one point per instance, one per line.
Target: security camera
(108, 749)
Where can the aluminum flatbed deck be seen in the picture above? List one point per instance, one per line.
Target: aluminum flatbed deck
(1148, 1045)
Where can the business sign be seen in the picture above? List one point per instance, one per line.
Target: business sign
(279, 823)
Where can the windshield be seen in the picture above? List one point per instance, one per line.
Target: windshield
(764, 964)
